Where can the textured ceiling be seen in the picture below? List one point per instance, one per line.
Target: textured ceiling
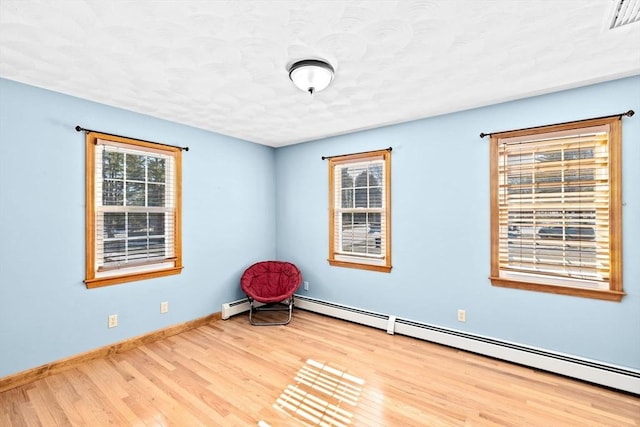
(222, 65)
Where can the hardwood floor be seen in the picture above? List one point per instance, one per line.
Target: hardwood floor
(315, 371)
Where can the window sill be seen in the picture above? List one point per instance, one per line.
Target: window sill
(115, 280)
(607, 295)
(361, 266)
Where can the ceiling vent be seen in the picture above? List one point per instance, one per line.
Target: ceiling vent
(625, 12)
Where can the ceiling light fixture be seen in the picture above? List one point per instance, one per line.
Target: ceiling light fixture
(625, 12)
(311, 75)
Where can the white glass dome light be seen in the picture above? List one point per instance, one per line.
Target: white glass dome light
(311, 75)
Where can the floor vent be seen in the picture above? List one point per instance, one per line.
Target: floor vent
(617, 377)
(625, 12)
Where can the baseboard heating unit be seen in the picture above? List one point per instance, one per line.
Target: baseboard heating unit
(235, 307)
(621, 378)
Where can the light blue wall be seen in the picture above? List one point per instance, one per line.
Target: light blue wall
(240, 198)
(440, 220)
(46, 313)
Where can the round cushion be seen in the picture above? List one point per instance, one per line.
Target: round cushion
(271, 281)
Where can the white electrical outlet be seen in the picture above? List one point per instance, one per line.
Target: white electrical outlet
(164, 307)
(306, 286)
(462, 316)
(113, 320)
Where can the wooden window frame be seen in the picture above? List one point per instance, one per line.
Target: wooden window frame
(171, 266)
(615, 290)
(336, 258)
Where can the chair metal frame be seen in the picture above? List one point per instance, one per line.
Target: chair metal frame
(286, 305)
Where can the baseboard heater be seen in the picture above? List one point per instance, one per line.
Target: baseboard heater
(235, 307)
(617, 377)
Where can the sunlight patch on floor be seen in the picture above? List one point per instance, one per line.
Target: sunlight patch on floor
(322, 395)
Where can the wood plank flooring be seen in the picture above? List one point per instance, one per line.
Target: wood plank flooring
(315, 371)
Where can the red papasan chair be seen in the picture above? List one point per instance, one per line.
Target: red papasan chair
(273, 284)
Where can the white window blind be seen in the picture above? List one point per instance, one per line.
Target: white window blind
(135, 208)
(359, 209)
(553, 207)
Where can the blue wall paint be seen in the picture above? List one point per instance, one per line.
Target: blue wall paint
(440, 214)
(244, 202)
(46, 313)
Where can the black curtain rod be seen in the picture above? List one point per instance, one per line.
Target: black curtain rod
(353, 154)
(628, 114)
(80, 129)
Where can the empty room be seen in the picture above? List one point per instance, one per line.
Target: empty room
(320, 213)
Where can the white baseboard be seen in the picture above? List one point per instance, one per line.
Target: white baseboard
(618, 377)
(236, 307)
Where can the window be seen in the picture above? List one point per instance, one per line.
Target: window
(359, 218)
(556, 209)
(133, 210)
